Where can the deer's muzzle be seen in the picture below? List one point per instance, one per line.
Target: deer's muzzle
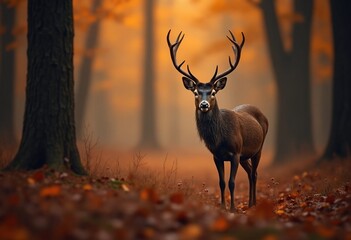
(204, 106)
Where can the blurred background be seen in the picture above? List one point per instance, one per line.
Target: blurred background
(128, 93)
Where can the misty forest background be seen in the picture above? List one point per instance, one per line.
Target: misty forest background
(98, 138)
(129, 97)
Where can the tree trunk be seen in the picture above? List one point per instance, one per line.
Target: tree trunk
(7, 76)
(173, 103)
(339, 143)
(292, 74)
(148, 137)
(86, 69)
(49, 130)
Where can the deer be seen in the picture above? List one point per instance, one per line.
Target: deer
(234, 135)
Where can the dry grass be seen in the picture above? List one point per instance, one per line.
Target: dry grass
(141, 176)
(169, 174)
(93, 159)
(136, 169)
(332, 175)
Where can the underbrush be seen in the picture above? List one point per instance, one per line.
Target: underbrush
(123, 197)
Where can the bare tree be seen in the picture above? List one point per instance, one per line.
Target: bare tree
(292, 74)
(49, 136)
(86, 70)
(148, 135)
(339, 144)
(7, 73)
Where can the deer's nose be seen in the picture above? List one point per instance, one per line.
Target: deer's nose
(204, 106)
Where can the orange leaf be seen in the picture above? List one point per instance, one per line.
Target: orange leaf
(147, 233)
(177, 198)
(326, 232)
(51, 191)
(95, 202)
(149, 194)
(30, 181)
(38, 176)
(87, 187)
(296, 178)
(279, 212)
(10, 228)
(220, 224)
(270, 237)
(264, 209)
(303, 204)
(293, 195)
(191, 231)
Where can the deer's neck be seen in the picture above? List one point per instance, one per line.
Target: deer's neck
(209, 126)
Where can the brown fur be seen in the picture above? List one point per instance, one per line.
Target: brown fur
(234, 135)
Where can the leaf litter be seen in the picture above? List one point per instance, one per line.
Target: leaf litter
(45, 204)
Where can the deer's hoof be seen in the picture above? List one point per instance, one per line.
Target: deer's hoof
(232, 210)
(222, 206)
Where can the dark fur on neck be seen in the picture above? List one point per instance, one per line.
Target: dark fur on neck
(209, 126)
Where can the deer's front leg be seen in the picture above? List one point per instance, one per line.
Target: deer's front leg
(234, 163)
(220, 168)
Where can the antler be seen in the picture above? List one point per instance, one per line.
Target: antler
(237, 51)
(173, 49)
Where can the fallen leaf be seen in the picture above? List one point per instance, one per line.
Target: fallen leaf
(191, 231)
(177, 198)
(30, 181)
(147, 233)
(270, 237)
(221, 224)
(149, 194)
(87, 187)
(326, 232)
(280, 212)
(51, 191)
(263, 210)
(125, 187)
(38, 176)
(95, 202)
(330, 199)
(293, 195)
(296, 178)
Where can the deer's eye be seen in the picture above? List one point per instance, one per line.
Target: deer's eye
(196, 94)
(213, 93)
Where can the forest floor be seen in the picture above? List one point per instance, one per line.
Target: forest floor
(295, 201)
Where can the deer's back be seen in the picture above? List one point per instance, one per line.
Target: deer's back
(254, 127)
(247, 110)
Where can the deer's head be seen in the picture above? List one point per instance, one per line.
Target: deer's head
(205, 93)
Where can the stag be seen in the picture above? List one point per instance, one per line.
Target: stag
(234, 135)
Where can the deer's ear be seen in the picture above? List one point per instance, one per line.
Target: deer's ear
(189, 84)
(220, 84)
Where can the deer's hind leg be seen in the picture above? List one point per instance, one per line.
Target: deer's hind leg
(246, 164)
(255, 160)
(234, 163)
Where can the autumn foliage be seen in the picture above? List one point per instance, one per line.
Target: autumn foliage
(292, 204)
